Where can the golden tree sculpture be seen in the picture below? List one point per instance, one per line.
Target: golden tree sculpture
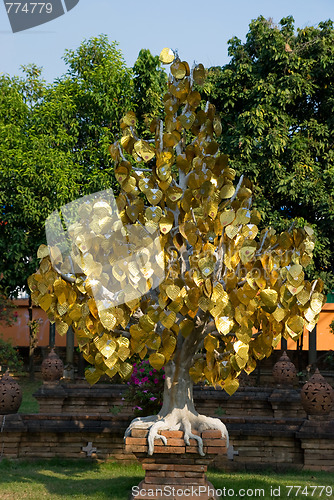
(175, 267)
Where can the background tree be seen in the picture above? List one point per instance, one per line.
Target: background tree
(275, 99)
(35, 177)
(150, 83)
(54, 146)
(178, 213)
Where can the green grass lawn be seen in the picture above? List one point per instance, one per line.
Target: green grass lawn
(80, 480)
(29, 403)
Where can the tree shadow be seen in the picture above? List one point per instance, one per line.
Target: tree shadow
(71, 480)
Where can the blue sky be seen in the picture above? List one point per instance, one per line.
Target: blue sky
(198, 29)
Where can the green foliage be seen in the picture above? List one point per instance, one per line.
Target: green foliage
(101, 90)
(150, 83)
(8, 313)
(276, 100)
(331, 326)
(9, 357)
(53, 146)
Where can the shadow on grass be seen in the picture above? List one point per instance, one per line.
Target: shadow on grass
(80, 480)
(66, 479)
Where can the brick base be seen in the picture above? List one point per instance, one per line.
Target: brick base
(175, 471)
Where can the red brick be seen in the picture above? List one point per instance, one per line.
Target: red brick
(134, 441)
(175, 442)
(211, 434)
(150, 467)
(139, 433)
(192, 449)
(216, 450)
(156, 473)
(169, 449)
(174, 473)
(214, 442)
(172, 434)
(135, 448)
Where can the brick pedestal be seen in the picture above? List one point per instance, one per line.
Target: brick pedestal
(175, 471)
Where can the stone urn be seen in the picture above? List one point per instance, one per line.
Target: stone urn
(317, 396)
(284, 371)
(10, 395)
(52, 367)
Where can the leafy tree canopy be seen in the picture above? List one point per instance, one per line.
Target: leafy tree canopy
(54, 141)
(276, 102)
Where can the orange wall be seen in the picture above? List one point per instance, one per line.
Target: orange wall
(19, 332)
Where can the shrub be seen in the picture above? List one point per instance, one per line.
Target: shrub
(145, 389)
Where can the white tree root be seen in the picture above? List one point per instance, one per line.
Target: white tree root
(178, 419)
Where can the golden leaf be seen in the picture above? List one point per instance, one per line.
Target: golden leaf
(199, 74)
(295, 326)
(125, 370)
(241, 349)
(144, 150)
(280, 313)
(227, 191)
(43, 251)
(211, 343)
(75, 312)
(187, 119)
(154, 196)
(243, 216)
(206, 265)
(204, 303)
(186, 327)
(123, 352)
(196, 371)
(227, 217)
(224, 324)
(130, 119)
(178, 70)
(93, 375)
(166, 224)
(45, 302)
(173, 291)
(230, 386)
(316, 302)
(157, 360)
(269, 298)
(231, 231)
(247, 254)
(109, 348)
(168, 318)
(166, 56)
(304, 295)
(108, 320)
(61, 327)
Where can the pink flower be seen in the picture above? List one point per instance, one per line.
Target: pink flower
(156, 381)
(150, 373)
(163, 377)
(143, 380)
(136, 381)
(141, 370)
(153, 398)
(137, 408)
